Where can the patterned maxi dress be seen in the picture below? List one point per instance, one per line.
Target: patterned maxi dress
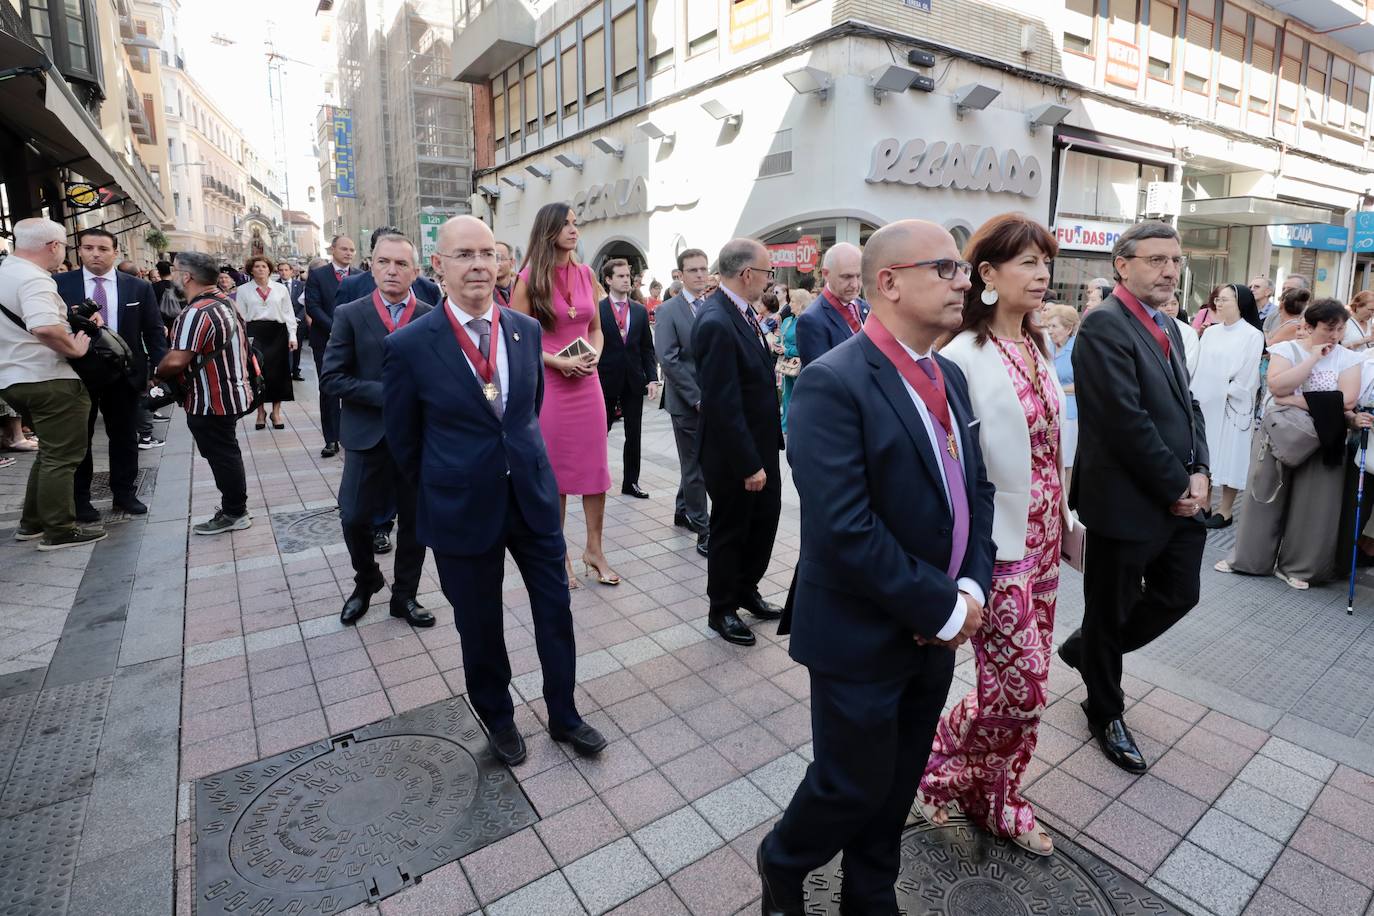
(984, 743)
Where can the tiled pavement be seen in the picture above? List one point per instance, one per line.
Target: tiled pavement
(1260, 799)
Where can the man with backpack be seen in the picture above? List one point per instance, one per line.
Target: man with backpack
(211, 361)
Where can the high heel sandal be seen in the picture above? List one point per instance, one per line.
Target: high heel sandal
(278, 424)
(934, 815)
(573, 581)
(1032, 841)
(594, 570)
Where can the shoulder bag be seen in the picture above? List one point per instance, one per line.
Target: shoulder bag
(107, 360)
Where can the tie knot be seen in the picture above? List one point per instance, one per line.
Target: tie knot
(927, 366)
(480, 325)
(98, 279)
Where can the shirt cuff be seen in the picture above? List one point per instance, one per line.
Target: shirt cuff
(973, 589)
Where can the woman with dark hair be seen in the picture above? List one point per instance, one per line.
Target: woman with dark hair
(983, 745)
(1292, 304)
(1225, 386)
(1359, 330)
(562, 294)
(1288, 526)
(265, 307)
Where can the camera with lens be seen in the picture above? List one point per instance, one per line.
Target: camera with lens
(85, 310)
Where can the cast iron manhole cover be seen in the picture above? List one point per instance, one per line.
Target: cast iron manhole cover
(352, 819)
(100, 484)
(297, 531)
(959, 871)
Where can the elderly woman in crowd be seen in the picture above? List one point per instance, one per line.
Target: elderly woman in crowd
(1063, 329)
(797, 300)
(265, 306)
(1099, 288)
(1286, 528)
(1185, 330)
(1290, 326)
(1226, 385)
(1359, 330)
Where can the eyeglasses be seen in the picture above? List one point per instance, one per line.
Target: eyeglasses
(944, 267)
(467, 255)
(1157, 261)
(772, 272)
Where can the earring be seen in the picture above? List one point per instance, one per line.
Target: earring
(989, 296)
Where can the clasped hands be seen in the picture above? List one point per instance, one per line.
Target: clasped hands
(973, 622)
(1197, 498)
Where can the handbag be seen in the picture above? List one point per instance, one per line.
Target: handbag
(790, 366)
(1290, 435)
(106, 361)
(169, 306)
(1073, 544)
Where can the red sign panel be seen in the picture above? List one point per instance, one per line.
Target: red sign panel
(1123, 63)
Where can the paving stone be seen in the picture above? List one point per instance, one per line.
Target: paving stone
(735, 807)
(1336, 848)
(1361, 785)
(718, 885)
(1269, 902)
(551, 895)
(1281, 781)
(611, 875)
(556, 788)
(1314, 885)
(1234, 730)
(1191, 775)
(1076, 802)
(1215, 751)
(749, 747)
(665, 740)
(1236, 843)
(678, 840)
(1346, 811)
(698, 772)
(645, 798)
(658, 900)
(620, 761)
(780, 778)
(1203, 877)
(1138, 840)
(1165, 804)
(638, 712)
(572, 833)
(1300, 759)
(1088, 764)
(439, 893)
(507, 864)
(716, 718)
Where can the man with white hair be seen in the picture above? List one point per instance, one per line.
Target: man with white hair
(840, 310)
(35, 378)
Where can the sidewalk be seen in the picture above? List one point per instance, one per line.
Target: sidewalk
(1255, 711)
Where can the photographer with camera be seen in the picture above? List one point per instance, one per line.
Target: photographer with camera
(36, 379)
(208, 366)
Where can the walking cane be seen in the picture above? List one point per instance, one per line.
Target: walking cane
(1359, 500)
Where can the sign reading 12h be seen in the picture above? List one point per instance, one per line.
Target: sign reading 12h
(965, 167)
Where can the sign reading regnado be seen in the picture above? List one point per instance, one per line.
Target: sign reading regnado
(964, 167)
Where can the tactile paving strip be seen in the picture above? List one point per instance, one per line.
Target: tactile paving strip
(297, 531)
(38, 858)
(56, 759)
(352, 819)
(958, 871)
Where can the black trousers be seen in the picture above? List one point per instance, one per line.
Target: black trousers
(330, 406)
(371, 481)
(1133, 592)
(472, 585)
(691, 491)
(302, 337)
(119, 403)
(871, 740)
(631, 401)
(743, 526)
(217, 439)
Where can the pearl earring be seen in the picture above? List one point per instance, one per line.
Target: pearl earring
(989, 296)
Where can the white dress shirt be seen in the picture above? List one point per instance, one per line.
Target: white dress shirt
(967, 586)
(745, 309)
(502, 362)
(277, 306)
(616, 308)
(111, 295)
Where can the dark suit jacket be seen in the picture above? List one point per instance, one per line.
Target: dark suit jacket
(353, 370)
(741, 428)
(321, 294)
(355, 286)
(465, 461)
(1140, 431)
(821, 329)
(139, 322)
(876, 526)
(295, 289)
(627, 364)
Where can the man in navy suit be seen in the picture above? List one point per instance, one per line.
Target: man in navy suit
(839, 311)
(321, 295)
(295, 289)
(627, 369)
(461, 392)
(129, 309)
(358, 285)
(741, 436)
(896, 561)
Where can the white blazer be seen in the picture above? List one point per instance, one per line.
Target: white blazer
(1005, 440)
(277, 307)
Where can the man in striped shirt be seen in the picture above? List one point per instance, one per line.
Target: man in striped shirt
(210, 349)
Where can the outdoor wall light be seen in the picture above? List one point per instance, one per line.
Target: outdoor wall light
(810, 79)
(890, 78)
(517, 183)
(609, 147)
(540, 171)
(973, 97)
(1047, 115)
(721, 113)
(488, 190)
(568, 160)
(654, 132)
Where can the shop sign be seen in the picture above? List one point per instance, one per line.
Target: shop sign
(429, 233)
(1364, 231)
(1123, 63)
(922, 5)
(345, 169)
(1088, 235)
(964, 167)
(802, 255)
(629, 197)
(1321, 236)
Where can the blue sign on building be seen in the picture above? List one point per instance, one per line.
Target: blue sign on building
(1321, 236)
(1364, 231)
(345, 171)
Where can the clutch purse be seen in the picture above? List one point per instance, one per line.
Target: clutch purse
(1072, 543)
(578, 347)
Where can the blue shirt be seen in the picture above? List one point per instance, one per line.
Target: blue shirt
(1063, 366)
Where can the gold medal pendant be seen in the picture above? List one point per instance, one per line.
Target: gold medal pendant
(952, 446)
(489, 391)
(572, 311)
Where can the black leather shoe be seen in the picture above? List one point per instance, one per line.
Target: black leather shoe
(508, 746)
(760, 608)
(683, 521)
(381, 542)
(87, 514)
(297, 378)
(731, 629)
(703, 544)
(132, 505)
(358, 602)
(1118, 745)
(585, 740)
(632, 489)
(771, 905)
(330, 450)
(413, 612)
(1071, 651)
(1216, 521)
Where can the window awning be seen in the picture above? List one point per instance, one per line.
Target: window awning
(1250, 211)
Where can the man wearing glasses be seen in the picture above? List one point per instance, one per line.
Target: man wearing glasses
(505, 272)
(741, 436)
(1140, 481)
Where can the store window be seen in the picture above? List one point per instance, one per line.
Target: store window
(782, 246)
(1098, 187)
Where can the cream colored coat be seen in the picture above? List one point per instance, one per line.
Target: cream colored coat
(1005, 440)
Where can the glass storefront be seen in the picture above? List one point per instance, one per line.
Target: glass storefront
(825, 233)
(1216, 255)
(1321, 267)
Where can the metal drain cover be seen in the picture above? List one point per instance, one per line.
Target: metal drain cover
(354, 819)
(959, 871)
(297, 531)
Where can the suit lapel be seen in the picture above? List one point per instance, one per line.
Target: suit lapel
(516, 360)
(1166, 364)
(446, 348)
(889, 382)
(744, 327)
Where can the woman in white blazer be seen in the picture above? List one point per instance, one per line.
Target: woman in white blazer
(265, 306)
(983, 744)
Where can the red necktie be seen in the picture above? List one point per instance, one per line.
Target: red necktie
(338, 275)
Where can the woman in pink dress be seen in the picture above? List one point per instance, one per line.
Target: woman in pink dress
(559, 292)
(983, 745)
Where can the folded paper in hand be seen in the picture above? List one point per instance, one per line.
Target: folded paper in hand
(578, 347)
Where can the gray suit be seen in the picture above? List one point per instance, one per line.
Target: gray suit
(673, 322)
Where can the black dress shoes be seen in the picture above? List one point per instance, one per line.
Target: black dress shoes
(414, 614)
(298, 378)
(760, 608)
(508, 746)
(774, 903)
(381, 542)
(330, 450)
(683, 521)
(585, 740)
(358, 602)
(704, 544)
(632, 489)
(1118, 745)
(731, 629)
(87, 514)
(1216, 521)
(1071, 651)
(132, 505)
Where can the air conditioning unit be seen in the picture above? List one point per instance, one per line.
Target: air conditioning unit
(1163, 198)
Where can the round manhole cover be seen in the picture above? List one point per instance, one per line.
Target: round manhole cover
(297, 531)
(959, 871)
